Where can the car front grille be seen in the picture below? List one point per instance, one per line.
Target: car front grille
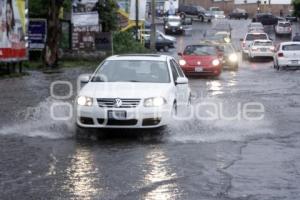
(111, 103)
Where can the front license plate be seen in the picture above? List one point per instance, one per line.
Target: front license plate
(263, 50)
(198, 69)
(294, 61)
(174, 30)
(119, 115)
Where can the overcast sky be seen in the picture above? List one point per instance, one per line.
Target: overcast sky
(272, 1)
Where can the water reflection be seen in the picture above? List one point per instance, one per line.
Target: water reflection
(81, 175)
(232, 81)
(160, 177)
(215, 87)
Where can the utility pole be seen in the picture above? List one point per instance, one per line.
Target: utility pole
(136, 19)
(153, 28)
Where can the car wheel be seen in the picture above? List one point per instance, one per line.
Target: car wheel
(244, 56)
(166, 48)
(209, 21)
(175, 109)
(182, 15)
(201, 18)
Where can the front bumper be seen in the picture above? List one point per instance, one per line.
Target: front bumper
(139, 117)
(207, 71)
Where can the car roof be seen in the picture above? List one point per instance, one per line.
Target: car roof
(173, 17)
(262, 41)
(287, 43)
(256, 32)
(255, 23)
(284, 22)
(150, 57)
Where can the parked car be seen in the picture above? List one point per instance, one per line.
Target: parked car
(238, 14)
(287, 55)
(248, 40)
(255, 26)
(145, 34)
(230, 56)
(173, 24)
(296, 38)
(201, 59)
(261, 49)
(160, 44)
(266, 19)
(194, 12)
(283, 28)
(291, 18)
(132, 91)
(217, 13)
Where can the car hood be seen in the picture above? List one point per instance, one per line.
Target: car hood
(125, 90)
(199, 60)
(174, 24)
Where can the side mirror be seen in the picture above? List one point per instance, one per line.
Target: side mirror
(84, 78)
(181, 80)
(180, 54)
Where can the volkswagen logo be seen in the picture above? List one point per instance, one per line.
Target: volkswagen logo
(118, 103)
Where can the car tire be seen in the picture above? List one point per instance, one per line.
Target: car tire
(201, 18)
(166, 48)
(182, 15)
(209, 21)
(244, 57)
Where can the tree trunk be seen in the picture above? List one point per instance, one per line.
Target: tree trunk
(53, 33)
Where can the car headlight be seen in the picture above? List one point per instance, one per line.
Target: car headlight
(166, 26)
(216, 62)
(182, 62)
(181, 27)
(154, 102)
(233, 58)
(84, 101)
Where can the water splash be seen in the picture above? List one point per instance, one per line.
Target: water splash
(37, 122)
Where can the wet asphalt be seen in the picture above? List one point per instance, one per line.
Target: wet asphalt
(220, 159)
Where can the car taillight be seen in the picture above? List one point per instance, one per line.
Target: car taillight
(272, 48)
(280, 55)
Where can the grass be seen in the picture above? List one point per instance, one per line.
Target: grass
(38, 65)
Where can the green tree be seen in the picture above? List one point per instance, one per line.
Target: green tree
(50, 10)
(296, 4)
(108, 15)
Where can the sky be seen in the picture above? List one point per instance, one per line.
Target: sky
(272, 1)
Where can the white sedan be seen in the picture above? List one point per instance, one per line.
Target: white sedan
(283, 28)
(132, 91)
(261, 49)
(287, 55)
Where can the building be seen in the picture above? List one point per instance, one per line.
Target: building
(251, 6)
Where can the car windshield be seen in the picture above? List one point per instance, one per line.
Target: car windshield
(199, 8)
(291, 47)
(174, 20)
(200, 50)
(147, 71)
(284, 24)
(226, 49)
(261, 43)
(251, 37)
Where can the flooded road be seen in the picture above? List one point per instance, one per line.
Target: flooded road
(220, 159)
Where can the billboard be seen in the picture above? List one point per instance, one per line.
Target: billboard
(85, 21)
(37, 31)
(13, 26)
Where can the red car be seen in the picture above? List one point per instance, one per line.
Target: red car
(202, 59)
